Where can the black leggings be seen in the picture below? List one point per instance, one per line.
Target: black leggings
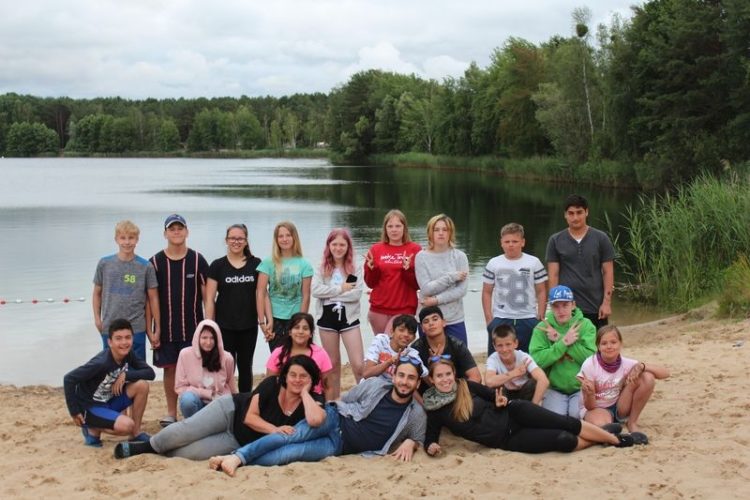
(534, 429)
(241, 345)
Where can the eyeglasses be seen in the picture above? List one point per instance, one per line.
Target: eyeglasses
(411, 360)
(236, 240)
(439, 357)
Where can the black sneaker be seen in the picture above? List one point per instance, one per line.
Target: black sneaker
(625, 440)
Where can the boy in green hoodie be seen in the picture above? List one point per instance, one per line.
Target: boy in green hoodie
(559, 345)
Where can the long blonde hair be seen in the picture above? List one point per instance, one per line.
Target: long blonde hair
(276, 250)
(431, 230)
(463, 406)
(402, 218)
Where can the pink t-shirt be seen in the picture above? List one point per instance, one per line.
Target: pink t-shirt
(318, 354)
(607, 386)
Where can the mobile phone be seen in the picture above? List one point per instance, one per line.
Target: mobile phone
(351, 278)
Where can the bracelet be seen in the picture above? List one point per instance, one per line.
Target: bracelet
(644, 366)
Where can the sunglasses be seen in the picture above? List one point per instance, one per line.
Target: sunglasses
(441, 356)
(412, 361)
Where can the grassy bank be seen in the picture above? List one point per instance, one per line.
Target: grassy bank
(599, 173)
(242, 153)
(691, 245)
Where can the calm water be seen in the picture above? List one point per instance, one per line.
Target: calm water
(57, 219)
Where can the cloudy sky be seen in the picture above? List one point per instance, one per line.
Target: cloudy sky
(192, 48)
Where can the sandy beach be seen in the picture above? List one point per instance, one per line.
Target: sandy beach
(697, 421)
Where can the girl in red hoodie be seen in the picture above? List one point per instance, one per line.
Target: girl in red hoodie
(389, 271)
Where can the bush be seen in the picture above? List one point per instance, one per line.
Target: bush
(734, 301)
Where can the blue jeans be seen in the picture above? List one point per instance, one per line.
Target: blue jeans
(563, 404)
(189, 404)
(306, 444)
(139, 344)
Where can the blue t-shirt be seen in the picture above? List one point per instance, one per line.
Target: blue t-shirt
(285, 287)
(371, 433)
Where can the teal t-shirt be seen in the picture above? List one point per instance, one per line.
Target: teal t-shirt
(285, 287)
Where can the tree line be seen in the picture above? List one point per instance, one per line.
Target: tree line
(666, 92)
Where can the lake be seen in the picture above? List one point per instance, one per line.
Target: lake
(57, 218)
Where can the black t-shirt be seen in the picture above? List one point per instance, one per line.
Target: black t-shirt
(180, 297)
(459, 354)
(270, 411)
(372, 432)
(235, 303)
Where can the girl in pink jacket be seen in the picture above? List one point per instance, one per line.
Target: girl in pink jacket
(204, 370)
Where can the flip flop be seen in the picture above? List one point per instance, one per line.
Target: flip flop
(612, 427)
(167, 420)
(639, 438)
(89, 439)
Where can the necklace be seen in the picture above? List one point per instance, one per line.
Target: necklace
(437, 350)
(286, 409)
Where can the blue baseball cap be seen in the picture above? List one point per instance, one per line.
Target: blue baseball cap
(174, 218)
(560, 293)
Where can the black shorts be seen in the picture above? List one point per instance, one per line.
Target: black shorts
(334, 318)
(168, 352)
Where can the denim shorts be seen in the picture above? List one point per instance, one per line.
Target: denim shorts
(615, 416)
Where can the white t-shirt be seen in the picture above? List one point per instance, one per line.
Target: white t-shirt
(607, 386)
(380, 351)
(514, 295)
(495, 364)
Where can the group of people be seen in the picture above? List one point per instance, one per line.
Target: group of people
(553, 382)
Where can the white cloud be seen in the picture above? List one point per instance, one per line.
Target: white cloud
(190, 48)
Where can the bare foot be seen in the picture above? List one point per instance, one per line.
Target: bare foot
(215, 462)
(229, 464)
(633, 426)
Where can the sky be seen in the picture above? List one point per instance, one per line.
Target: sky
(207, 48)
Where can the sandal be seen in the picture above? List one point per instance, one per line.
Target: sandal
(89, 439)
(639, 438)
(167, 420)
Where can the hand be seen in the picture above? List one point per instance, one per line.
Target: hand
(520, 369)
(460, 275)
(434, 450)
(99, 325)
(572, 336)
(268, 330)
(500, 400)
(605, 310)
(118, 384)
(285, 429)
(307, 388)
(587, 386)
(635, 373)
(429, 301)
(78, 420)
(404, 452)
(369, 261)
(552, 334)
(345, 287)
(406, 262)
(155, 340)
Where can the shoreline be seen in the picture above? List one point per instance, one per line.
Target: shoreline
(696, 421)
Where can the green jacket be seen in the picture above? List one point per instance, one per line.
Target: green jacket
(561, 362)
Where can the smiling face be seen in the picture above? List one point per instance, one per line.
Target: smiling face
(120, 343)
(505, 347)
(563, 311)
(405, 382)
(236, 241)
(443, 377)
(301, 333)
(176, 234)
(285, 240)
(394, 228)
(576, 217)
(296, 379)
(206, 340)
(338, 247)
(512, 244)
(126, 242)
(401, 337)
(609, 346)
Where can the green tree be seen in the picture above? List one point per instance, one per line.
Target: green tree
(30, 139)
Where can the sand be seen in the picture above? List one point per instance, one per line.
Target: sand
(698, 422)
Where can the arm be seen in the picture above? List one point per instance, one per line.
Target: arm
(553, 271)
(495, 379)
(138, 369)
(460, 282)
(153, 325)
(425, 283)
(211, 287)
(542, 383)
(545, 352)
(96, 301)
(487, 302)
(432, 435)
(474, 375)
(231, 381)
(372, 271)
(315, 415)
(305, 294)
(585, 346)
(263, 306)
(320, 289)
(373, 369)
(608, 277)
(254, 420)
(541, 300)
(658, 371)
